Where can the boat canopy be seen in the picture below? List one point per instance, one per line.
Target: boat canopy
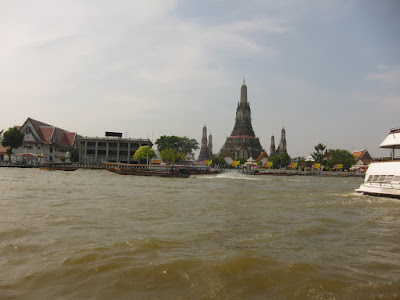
(392, 141)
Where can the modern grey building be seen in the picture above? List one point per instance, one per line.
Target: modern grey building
(109, 149)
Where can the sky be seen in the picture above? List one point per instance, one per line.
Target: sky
(327, 71)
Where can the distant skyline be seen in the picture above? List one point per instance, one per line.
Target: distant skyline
(327, 71)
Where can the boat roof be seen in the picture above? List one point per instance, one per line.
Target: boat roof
(392, 140)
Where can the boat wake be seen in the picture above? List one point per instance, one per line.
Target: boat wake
(231, 174)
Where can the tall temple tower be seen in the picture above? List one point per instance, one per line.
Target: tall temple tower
(205, 153)
(242, 141)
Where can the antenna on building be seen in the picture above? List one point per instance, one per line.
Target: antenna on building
(126, 133)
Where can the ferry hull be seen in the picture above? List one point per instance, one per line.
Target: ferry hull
(382, 179)
(377, 191)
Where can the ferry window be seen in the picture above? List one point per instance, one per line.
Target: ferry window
(396, 178)
(375, 178)
(381, 178)
(369, 178)
(389, 178)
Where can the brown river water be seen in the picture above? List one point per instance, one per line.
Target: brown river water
(92, 234)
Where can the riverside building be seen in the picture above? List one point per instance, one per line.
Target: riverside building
(43, 143)
(111, 148)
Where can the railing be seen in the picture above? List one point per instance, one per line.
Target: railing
(394, 186)
(387, 158)
(395, 129)
(111, 138)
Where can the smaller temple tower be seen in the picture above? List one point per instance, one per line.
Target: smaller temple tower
(205, 152)
(282, 145)
(272, 148)
(210, 145)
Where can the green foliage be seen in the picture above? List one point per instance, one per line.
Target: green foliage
(172, 156)
(74, 155)
(242, 160)
(174, 149)
(340, 156)
(319, 156)
(143, 154)
(218, 160)
(12, 138)
(182, 145)
(280, 161)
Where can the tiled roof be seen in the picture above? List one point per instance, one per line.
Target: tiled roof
(47, 132)
(3, 150)
(362, 155)
(228, 154)
(262, 155)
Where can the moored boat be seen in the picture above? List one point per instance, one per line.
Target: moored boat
(148, 170)
(383, 177)
(57, 167)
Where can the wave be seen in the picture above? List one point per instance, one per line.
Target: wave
(104, 273)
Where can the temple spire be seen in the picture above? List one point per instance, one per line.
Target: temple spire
(204, 148)
(242, 141)
(243, 93)
(272, 148)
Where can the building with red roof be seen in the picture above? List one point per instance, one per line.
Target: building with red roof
(45, 141)
(363, 156)
(363, 159)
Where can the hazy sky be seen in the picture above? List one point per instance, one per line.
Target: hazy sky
(328, 71)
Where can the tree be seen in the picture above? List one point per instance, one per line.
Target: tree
(242, 160)
(176, 149)
(319, 156)
(340, 156)
(280, 161)
(284, 160)
(12, 138)
(74, 155)
(218, 160)
(143, 154)
(172, 155)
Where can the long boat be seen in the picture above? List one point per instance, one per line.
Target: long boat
(201, 170)
(383, 177)
(148, 170)
(57, 167)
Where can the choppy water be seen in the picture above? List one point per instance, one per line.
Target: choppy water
(98, 235)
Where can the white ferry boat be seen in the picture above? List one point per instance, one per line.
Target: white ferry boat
(383, 177)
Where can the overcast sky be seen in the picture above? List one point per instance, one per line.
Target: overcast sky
(328, 71)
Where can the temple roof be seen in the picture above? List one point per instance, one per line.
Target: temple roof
(362, 155)
(262, 155)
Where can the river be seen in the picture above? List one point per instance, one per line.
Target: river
(92, 234)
